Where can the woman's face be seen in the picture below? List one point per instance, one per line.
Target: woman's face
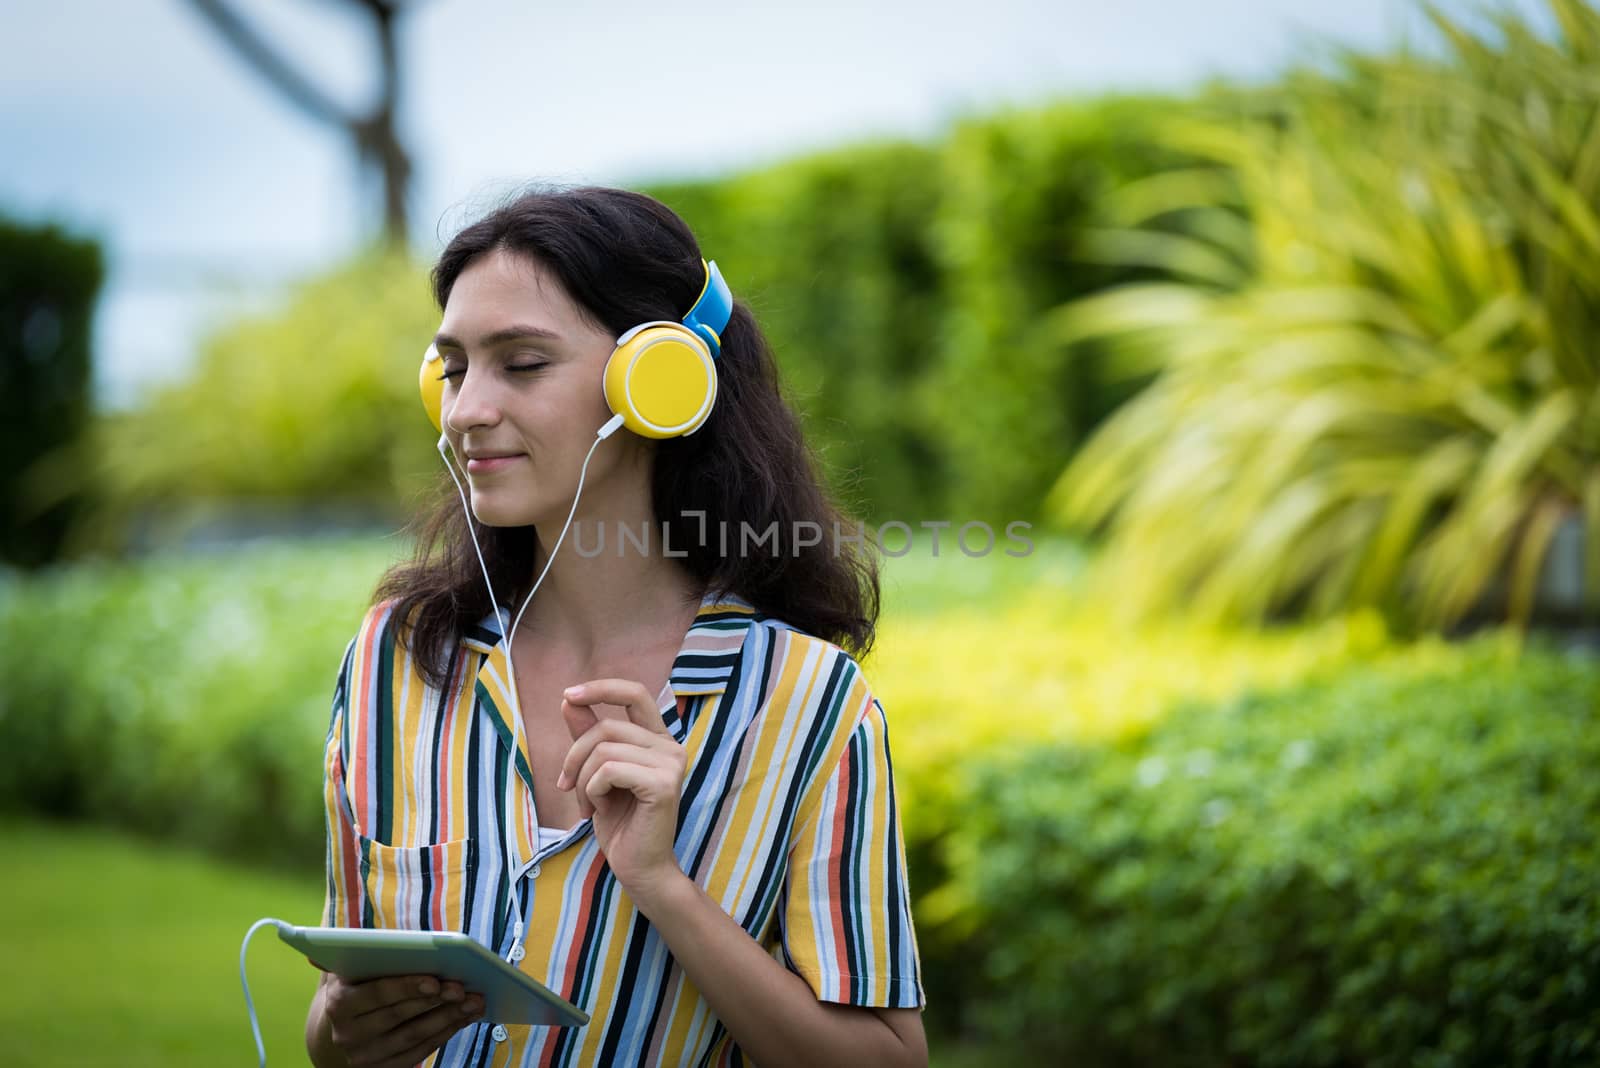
(524, 370)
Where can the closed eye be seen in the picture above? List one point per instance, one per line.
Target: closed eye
(510, 367)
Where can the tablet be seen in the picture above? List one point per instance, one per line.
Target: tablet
(509, 996)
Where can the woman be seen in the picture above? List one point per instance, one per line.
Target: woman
(669, 796)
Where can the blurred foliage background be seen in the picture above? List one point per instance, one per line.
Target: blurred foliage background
(1277, 750)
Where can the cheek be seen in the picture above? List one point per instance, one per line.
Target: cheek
(585, 403)
(562, 420)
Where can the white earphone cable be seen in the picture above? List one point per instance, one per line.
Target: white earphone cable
(516, 952)
(466, 508)
(250, 1005)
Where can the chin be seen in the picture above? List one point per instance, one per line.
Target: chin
(493, 519)
(494, 512)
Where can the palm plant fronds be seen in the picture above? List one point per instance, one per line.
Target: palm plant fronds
(1378, 381)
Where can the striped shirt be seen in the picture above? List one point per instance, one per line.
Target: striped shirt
(788, 820)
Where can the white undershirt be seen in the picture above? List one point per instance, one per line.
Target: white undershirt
(549, 836)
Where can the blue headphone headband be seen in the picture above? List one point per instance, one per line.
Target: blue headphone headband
(710, 314)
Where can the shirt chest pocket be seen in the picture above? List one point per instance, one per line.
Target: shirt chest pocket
(426, 887)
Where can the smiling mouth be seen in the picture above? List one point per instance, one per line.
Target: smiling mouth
(490, 463)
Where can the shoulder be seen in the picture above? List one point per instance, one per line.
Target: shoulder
(809, 700)
(375, 633)
(792, 669)
(373, 656)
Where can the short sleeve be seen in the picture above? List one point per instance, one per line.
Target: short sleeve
(846, 916)
(343, 899)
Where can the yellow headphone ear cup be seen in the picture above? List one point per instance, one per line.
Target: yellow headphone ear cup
(662, 380)
(433, 388)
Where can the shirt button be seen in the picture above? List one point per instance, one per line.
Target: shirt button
(517, 953)
(499, 1034)
(535, 872)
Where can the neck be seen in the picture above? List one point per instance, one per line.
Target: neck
(616, 598)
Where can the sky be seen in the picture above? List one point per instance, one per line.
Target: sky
(131, 121)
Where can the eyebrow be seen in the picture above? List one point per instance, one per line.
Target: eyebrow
(519, 332)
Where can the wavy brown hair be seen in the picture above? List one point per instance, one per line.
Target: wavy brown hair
(626, 258)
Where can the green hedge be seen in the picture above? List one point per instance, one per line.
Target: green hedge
(903, 286)
(1385, 871)
(175, 698)
(49, 281)
(1023, 193)
(834, 253)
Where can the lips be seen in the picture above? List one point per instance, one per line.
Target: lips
(485, 462)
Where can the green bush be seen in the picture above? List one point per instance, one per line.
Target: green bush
(48, 285)
(185, 698)
(1389, 870)
(312, 401)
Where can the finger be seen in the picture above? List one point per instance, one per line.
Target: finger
(348, 999)
(379, 1022)
(608, 753)
(607, 730)
(409, 1043)
(415, 1056)
(639, 704)
(577, 753)
(649, 784)
(602, 705)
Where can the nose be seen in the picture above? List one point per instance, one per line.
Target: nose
(473, 405)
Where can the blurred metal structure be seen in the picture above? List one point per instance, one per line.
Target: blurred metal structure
(374, 133)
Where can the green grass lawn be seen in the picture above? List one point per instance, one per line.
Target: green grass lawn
(124, 953)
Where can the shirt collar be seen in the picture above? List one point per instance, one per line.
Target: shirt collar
(706, 659)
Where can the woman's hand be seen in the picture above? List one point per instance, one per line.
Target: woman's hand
(628, 772)
(395, 1021)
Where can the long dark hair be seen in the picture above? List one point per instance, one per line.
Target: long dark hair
(626, 258)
